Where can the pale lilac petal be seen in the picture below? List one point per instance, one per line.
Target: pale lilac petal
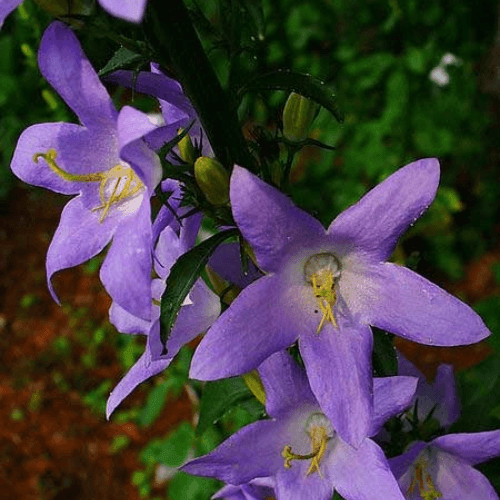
(457, 480)
(143, 369)
(474, 448)
(125, 322)
(391, 395)
(261, 488)
(79, 151)
(258, 446)
(130, 10)
(285, 383)
(126, 271)
(65, 66)
(167, 251)
(445, 394)
(189, 229)
(400, 464)
(269, 220)
(363, 473)
(6, 7)
(79, 237)
(262, 320)
(338, 365)
(411, 306)
(375, 223)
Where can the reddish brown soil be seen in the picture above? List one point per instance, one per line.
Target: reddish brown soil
(52, 446)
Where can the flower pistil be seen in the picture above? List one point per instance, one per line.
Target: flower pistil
(423, 481)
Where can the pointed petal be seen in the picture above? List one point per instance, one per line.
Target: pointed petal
(262, 320)
(391, 395)
(457, 480)
(376, 222)
(269, 220)
(125, 322)
(65, 66)
(6, 7)
(474, 448)
(411, 306)
(363, 473)
(402, 463)
(79, 237)
(254, 451)
(126, 271)
(130, 10)
(285, 383)
(444, 393)
(143, 369)
(338, 365)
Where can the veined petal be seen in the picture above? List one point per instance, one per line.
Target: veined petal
(285, 383)
(363, 473)
(79, 237)
(65, 66)
(411, 306)
(338, 365)
(474, 448)
(254, 451)
(126, 271)
(6, 7)
(391, 395)
(375, 223)
(143, 369)
(125, 322)
(130, 10)
(269, 220)
(263, 319)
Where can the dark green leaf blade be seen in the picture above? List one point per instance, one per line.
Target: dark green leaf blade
(122, 59)
(305, 85)
(182, 277)
(385, 363)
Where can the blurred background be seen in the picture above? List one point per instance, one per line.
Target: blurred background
(413, 78)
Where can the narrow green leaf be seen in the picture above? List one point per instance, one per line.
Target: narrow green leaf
(155, 403)
(122, 59)
(182, 277)
(305, 85)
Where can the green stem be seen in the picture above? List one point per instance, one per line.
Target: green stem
(177, 45)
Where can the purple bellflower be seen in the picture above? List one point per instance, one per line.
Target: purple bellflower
(439, 397)
(326, 287)
(444, 468)
(300, 447)
(106, 163)
(261, 488)
(200, 309)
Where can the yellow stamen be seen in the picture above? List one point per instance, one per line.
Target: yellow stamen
(423, 480)
(126, 183)
(323, 284)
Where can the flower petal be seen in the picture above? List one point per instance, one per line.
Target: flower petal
(261, 321)
(391, 395)
(376, 222)
(126, 271)
(474, 448)
(143, 369)
(269, 220)
(130, 10)
(79, 237)
(254, 451)
(65, 66)
(411, 306)
(125, 322)
(363, 473)
(338, 365)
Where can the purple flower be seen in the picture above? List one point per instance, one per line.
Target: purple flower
(300, 447)
(261, 488)
(106, 163)
(325, 288)
(444, 468)
(439, 397)
(6, 7)
(200, 309)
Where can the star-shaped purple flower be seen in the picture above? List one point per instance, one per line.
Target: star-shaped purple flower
(106, 163)
(326, 287)
(444, 468)
(300, 447)
(200, 309)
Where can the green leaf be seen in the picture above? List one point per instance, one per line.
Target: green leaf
(305, 85)
(219, 397)
(155, 403)
(122, 58)
(182, 277)
(186, 487)
(385, 363)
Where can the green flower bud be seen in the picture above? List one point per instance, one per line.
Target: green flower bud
(213, 180)
(186, 149)
(298, 115)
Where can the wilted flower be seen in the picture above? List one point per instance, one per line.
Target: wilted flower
(444, 468)
(325, 288)
(301, 448)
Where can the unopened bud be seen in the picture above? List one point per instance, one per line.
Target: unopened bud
(298, 115)
(213, 180)
(186, 149)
